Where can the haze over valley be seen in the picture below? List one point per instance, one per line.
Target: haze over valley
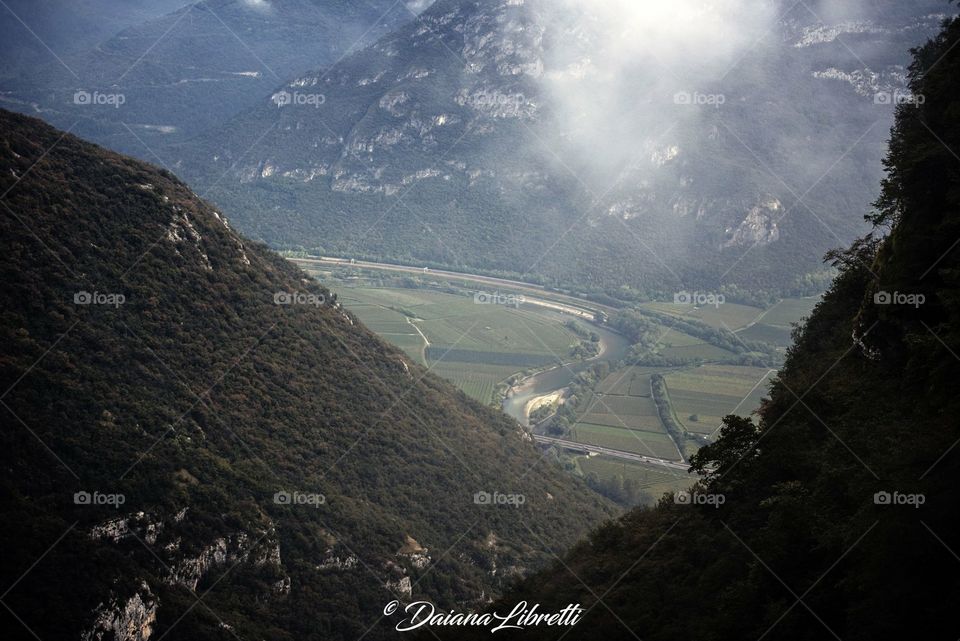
(383, 319)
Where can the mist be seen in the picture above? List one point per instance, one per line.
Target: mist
(626, 81)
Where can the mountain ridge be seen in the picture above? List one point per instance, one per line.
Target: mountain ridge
(451, 142)
(833, 512)
(187, 71)
(188, 416)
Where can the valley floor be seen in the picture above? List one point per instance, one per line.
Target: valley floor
(520, 346)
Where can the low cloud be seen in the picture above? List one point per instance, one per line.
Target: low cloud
(617, 67)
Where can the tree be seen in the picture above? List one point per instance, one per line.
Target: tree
(737, 443)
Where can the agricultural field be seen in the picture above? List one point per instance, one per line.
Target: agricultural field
(774, 325)
(709, 392)
(654, 480)
(790, 310)
(775, 335)
(728, 315)
(476, 346)
(626, 440)
(701, 351)
(622, 415)
(678, 345)
(477, 380)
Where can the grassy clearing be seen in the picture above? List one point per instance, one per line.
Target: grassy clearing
(751, 323)
(673, 338)
(626, 440)
(494, 328)
(674, 344)
(517, 360)
(710, 392)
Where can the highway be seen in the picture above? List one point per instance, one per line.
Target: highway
(632, 456)
(540, 296)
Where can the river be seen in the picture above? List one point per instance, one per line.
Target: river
(613, 347)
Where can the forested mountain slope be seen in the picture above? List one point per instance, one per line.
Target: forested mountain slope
(838, 516)
(175, 75)
(187, 416)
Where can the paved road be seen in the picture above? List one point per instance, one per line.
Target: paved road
(632, 456)
(541, 296)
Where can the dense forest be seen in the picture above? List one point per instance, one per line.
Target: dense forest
(198, 442)
(839, 514)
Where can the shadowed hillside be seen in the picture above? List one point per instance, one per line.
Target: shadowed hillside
(199, 443)
(834, 515)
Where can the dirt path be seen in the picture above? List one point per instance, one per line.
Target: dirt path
(426, 341)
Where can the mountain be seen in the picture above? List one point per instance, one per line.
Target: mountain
(582, 143)
(199, 443)
(32, 31)
(835, 515)
(173, 76)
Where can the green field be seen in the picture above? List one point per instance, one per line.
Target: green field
(728, 315)
(700, 352)
(710, 392)
(633, 381)
(775, 325)
(478, 381)
(476, 346)
(676, 344)
(621, 415)
(654, 480)
(626, 440)
(772, 334)
(772, 325)
(790, 310)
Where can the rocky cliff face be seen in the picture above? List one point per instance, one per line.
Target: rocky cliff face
(129, 620)
(521, 126)
(759, 227)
